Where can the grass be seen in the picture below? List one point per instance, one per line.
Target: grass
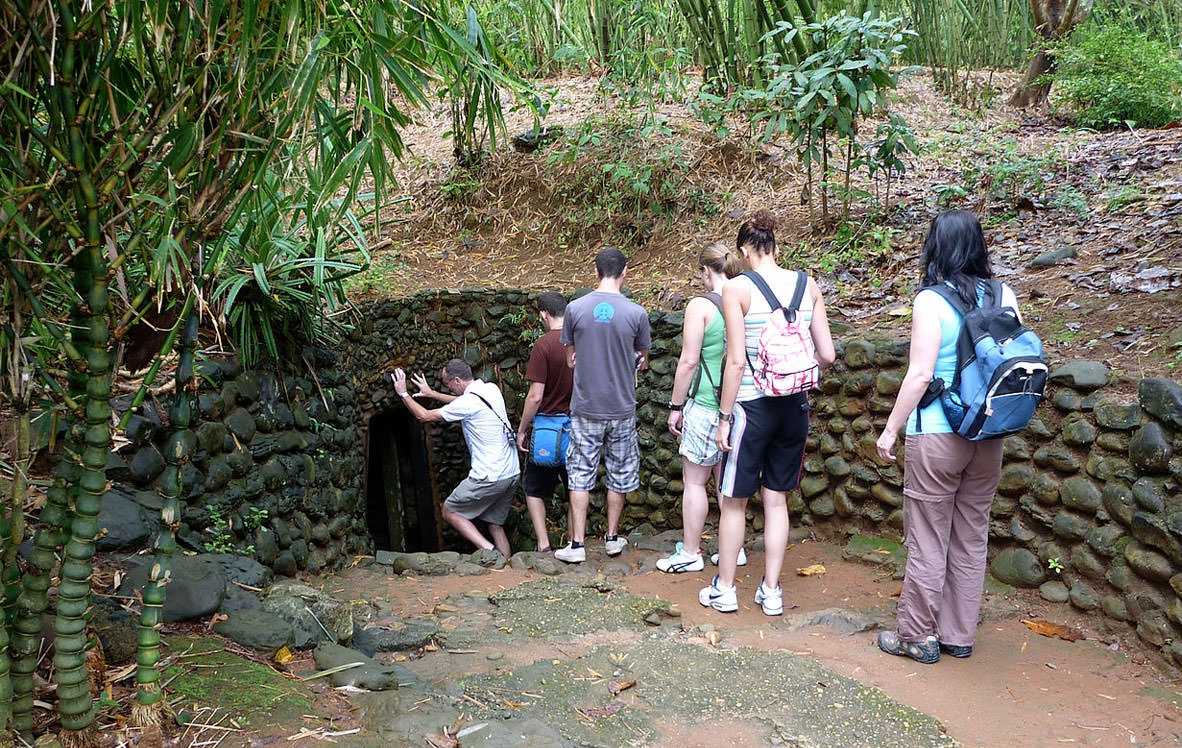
(203, 673)
(380, 277)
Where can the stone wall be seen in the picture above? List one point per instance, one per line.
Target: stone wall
(1088, 508)
(275, 473)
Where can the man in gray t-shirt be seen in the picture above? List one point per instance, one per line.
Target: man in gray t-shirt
(607, 341)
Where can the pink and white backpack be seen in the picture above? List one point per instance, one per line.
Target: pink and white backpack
(785, 362)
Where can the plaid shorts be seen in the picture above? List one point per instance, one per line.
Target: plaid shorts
(615, 441)
(699, 424)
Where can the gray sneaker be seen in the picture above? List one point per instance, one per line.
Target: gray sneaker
(614, 546)
(926, 652)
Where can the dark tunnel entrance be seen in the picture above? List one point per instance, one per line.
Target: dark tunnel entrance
(400, 509)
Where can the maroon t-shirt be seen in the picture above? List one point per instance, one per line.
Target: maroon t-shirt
(547, 364)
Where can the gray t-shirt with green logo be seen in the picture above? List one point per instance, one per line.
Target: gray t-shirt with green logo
(607, 331)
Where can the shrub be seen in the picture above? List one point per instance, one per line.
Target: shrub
(1114, 76)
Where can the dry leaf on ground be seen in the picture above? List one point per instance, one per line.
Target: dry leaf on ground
(616, 686)
(813, 570)
(1046, 628)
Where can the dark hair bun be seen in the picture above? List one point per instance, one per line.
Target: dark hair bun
(763, 220)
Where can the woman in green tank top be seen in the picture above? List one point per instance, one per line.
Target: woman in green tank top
(693, 406)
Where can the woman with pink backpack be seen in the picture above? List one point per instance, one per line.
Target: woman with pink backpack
(775, 353)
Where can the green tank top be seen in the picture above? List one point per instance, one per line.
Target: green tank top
(713, 346)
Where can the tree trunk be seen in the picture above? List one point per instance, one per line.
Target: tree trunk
(1053, 20)
(1033, 89)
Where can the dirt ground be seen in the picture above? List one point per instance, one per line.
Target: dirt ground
(1113, 200)
(1019, 688)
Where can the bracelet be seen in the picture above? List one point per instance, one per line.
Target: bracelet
(675, 407)
(404, 394)
(726, 417)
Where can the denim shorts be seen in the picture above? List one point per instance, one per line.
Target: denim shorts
(699, 425)
(612, 440)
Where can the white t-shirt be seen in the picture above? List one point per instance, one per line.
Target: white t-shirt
(494, 453)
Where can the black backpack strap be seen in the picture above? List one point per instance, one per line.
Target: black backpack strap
(714, 298)
(952, 297)
(764, 288)
(802, 284)
(993, 288)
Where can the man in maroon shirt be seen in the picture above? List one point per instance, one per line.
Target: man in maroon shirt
(551, 381)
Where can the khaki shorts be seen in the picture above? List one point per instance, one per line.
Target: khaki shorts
(485, 500)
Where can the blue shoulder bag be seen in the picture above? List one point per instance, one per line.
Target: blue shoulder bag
(550, 440)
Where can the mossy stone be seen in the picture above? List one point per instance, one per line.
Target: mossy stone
(1078, 492)
(1119, 502)
(1150, 449)
(1070, 525)
(859, 354)
(1117, 416)
(1083, 597)
(1018, 567)
(1083, 376)
(1161, 398)
(1148, 563)
(1015, 479)
(1058, 458)
(1078, 431)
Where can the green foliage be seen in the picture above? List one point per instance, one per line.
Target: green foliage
(611, 173)
(862, 247)
(821, 101)
(957, 38)
(1007, 174)
(279, 274)
(638, 48)
(221, 529)
(524, 321)
(1115, 77)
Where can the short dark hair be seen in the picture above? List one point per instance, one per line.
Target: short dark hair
(552, 303)
(610, 263)
(955, 251)
(457, 368)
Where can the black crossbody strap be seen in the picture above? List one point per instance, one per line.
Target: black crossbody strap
(508, 429)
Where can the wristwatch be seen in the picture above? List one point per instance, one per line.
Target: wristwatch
(726, 417)
(674, 406)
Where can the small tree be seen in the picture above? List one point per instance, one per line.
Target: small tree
(823, 99)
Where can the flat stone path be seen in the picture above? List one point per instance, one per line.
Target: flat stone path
(613, 653)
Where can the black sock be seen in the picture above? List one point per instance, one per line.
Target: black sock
(573, 544)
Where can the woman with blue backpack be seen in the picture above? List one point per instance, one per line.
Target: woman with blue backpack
(952, 469)
(777, 343)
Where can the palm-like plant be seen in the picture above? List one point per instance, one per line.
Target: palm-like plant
(140, 134)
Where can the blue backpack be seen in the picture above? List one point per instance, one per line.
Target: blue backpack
(1000, 377)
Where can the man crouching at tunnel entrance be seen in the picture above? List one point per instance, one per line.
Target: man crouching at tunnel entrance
(487, 493)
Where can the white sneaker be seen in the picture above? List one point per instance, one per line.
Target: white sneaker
(771, 600)
(681, 561)
(570, 554)
(615, 546)
(722, 600)
(742, 557)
